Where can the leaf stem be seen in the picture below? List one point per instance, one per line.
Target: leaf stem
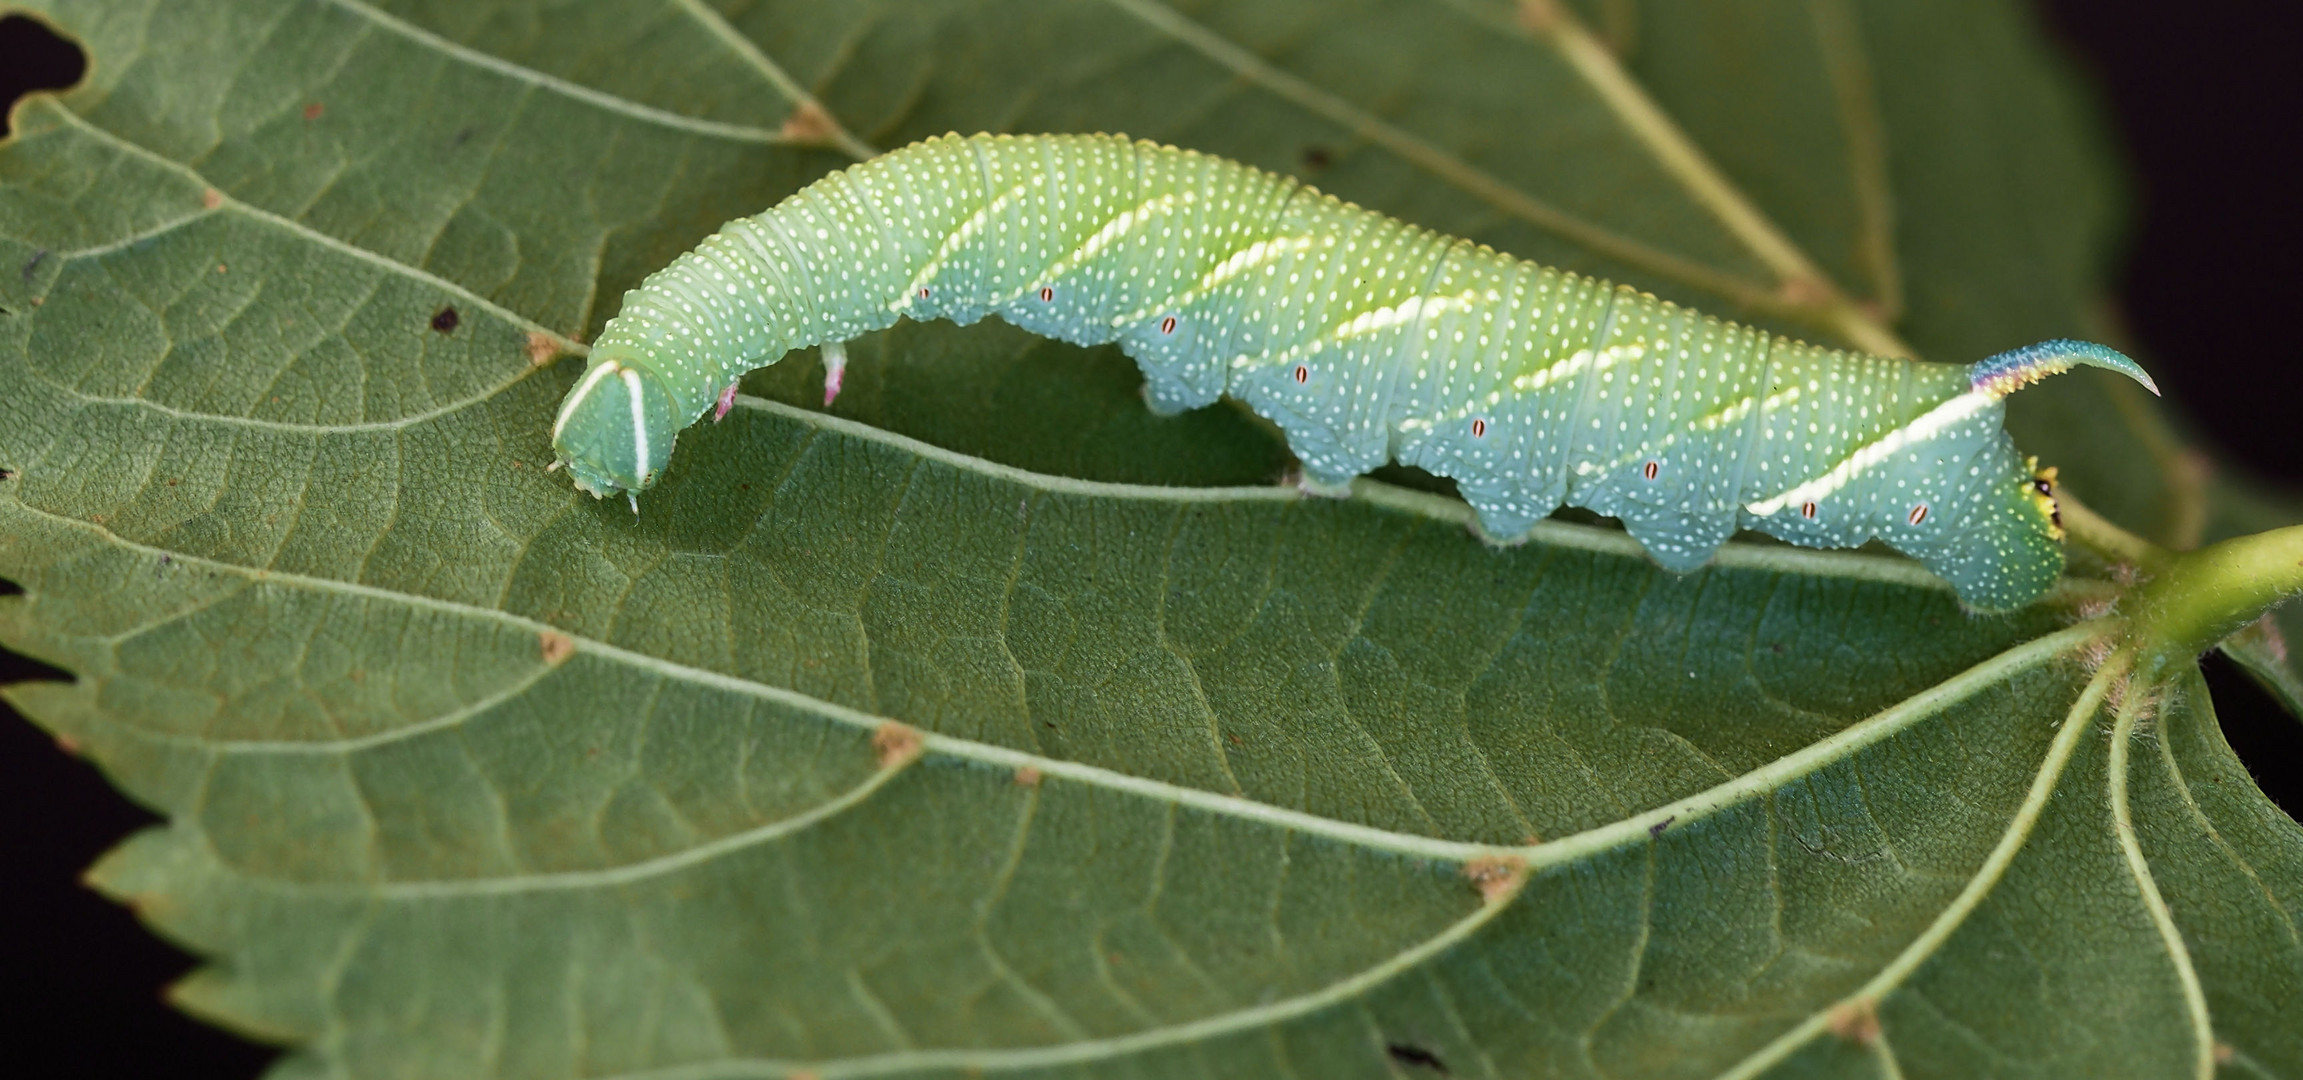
(2201, 597)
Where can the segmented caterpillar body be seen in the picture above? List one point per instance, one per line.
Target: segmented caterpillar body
(1365, 339)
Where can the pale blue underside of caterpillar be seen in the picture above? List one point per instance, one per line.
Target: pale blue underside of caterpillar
(1365, 339)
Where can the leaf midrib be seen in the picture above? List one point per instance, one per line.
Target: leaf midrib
(1695, 807)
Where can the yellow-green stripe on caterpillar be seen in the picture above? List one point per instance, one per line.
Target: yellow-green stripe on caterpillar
(1365, 339)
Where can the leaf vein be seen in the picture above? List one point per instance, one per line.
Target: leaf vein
(1633, 829)
(1979, 885)
(1440, 163)
(539, 81)
(782, 80)
(2146, 884)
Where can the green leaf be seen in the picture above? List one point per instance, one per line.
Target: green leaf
(989, 725)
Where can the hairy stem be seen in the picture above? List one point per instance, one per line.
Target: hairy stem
(2199, 598)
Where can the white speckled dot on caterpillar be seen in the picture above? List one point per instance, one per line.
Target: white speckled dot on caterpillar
(1366, 339)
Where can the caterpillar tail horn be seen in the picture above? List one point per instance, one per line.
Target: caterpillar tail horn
(2015, 369)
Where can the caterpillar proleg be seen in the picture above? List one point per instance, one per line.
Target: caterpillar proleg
(1365, 339)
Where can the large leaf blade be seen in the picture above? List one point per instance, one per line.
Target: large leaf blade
(468, 774)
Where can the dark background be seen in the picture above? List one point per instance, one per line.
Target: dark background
(2206, 98)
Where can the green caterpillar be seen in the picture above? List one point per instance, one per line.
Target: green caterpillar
(1364, 338)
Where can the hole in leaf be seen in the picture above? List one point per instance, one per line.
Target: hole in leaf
(1411, 1054)
(34, 58)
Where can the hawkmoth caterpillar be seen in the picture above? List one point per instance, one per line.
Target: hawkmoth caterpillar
(1365, 339)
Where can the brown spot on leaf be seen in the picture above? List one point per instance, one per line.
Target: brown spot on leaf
(313, 110)
(1028, 776)
(1316, 156)
(810, 124)
(543, 348)
(896, 744)
(558, 647)
(1498, 877)
(445, 320)
(211, 199)
(1856, 1021)
(219, 268)
(68, 744)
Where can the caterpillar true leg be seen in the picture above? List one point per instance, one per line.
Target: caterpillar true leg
(1362, 339)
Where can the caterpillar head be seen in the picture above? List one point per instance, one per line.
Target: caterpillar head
(2007, 548)
(615, 429)
(2040, 493)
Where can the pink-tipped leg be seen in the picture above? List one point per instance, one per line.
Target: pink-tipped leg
(835, 368)
(727, 401)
